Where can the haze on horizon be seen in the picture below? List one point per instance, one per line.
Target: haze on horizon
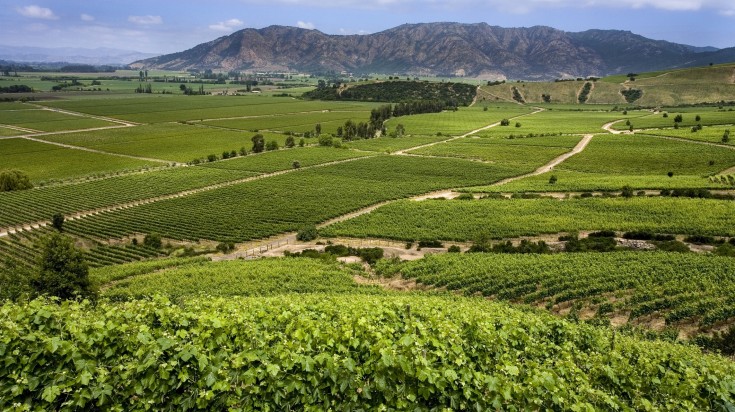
(169, 26)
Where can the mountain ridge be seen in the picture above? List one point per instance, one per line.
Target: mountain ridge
(441, 49)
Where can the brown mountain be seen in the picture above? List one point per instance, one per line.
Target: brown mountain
(449, 49)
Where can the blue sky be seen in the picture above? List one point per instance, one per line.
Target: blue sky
(168, 26)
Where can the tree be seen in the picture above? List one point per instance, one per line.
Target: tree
(318, 129)
(271, 145)
(552, 179)
(697, 118)
(243, 151)
(670, 174)
(290, 142)
(63, 272)
(296, 164)
(57, 221)
(400, 130)
(726, 136)
(505, 122)
(14, 280)
(11, 180)
(302, 142)
(678, 118)
(153, 240)
(258, 143)
(307, 233)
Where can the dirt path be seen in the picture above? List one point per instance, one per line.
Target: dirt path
(82, 214)
(553, 163)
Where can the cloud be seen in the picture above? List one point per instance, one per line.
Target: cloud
(36, 12)
(86, 17)
(145, 20)
(305, 25)
(229, 25)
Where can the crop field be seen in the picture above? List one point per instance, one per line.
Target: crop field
(462, 121)
(172, 142)
(199, 301)
(564, 122)
(173, 108)
(47, 120)
(27, 206)
(45, 162)
(680, 288)
(525, 154)
(237, 278)
(285, 203)
(463, 220)
(296, 122)
(710, 134)
(708, 117)
(643, 162)
(273, 161)
(387, 144)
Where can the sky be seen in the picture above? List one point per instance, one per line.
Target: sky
(166, 26)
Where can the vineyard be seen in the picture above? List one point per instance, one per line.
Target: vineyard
(682, 289)
(334, 351)
(266, 207)
(461, 220)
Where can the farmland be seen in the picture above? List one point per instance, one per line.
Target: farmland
(185, 221)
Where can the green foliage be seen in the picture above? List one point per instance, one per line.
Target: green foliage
(11, 180)
(15, 280)
(258, 143)
(584, 94)
(394, 353)
(57, 222)
(271, 145)
(661, 284)
(307, 233)
(631, 95)
(450, 94)
(463, 221)
(153, 240)
(63, 272)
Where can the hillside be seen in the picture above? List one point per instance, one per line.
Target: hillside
(448, 49)
(708, 84)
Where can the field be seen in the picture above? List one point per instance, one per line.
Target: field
(195, 299)
(42, 161)
(462, 220)
(637, 287)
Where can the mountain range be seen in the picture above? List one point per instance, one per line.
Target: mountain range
(442, 49)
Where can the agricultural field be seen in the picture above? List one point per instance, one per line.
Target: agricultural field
(173, 142)
(48, 121)
(467, 220)
(238, 278)
(196, 300)
(284, 203)
(631, 286)
(610, 162)
(175, 108)
(451, 123)
(524, 154)
(43, 162)
(709, 134)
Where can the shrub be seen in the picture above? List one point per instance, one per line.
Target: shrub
(57, 222)
(307, 233)
(430, 243)
(11, 180)
(63, 271)
(454, 249)
(153, 240)
(672, 246)
(505, 122)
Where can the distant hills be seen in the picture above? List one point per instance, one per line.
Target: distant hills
(98, 56)
(442, 49)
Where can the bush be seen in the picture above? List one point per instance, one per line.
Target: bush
(225, 247)
(454, 249)
(57, 222)
(505, 122)
(672, 246)
(307, 233)
(591, 244)
(701, 240)
(271, 145)
(465, 196)
(602, 233)
(626, 191)
(553, 179)
(430, 243)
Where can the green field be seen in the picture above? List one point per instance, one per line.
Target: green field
(41, 203)
(46, 162)
(680, 288)
(709, 134)
(388, 144)
(457, 122)
(461, 220)
(267, 162)
(172, 142)
(297, 122)
(173, 108)
(525, 154)
(285, 203)
(708, 117)
(48, 121)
